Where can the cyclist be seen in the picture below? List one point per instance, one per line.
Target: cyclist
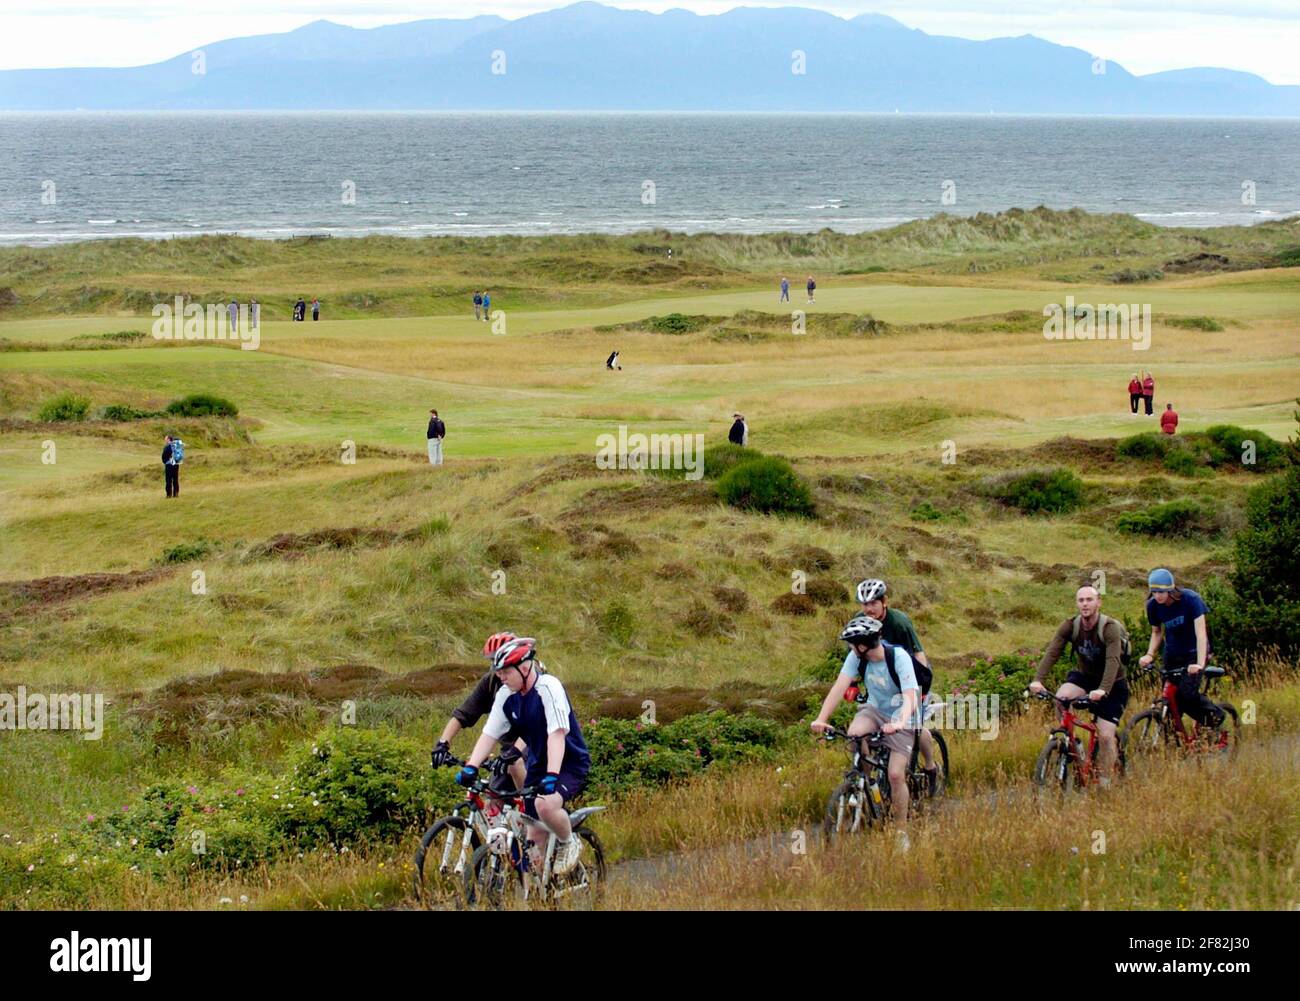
(890, 708)
(1098, 642)
(898, 630)
(477, 705)
(534, 705)
(1177, 616)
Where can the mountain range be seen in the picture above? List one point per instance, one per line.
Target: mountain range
(590, 57)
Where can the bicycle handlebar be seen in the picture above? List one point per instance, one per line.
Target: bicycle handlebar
(1082, 702)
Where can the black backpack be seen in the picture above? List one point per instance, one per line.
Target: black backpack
(924, 676)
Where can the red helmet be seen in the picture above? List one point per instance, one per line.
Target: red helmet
(514, 653)
(495, 642)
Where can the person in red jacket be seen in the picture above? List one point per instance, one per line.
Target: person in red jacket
(1134, 393)
(1148, 391)
(1169, 419)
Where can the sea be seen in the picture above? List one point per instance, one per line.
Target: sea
(159, 175)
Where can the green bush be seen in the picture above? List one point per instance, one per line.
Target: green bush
(122, 412)
(183, 552)
(1006, 676)
(1207, 323)
(1228, 448)
(64, 407)
(202, 405)
(627, 754)
(768, 485)
(676, 323)
(1182, 462)
(1147, 445)
(617, 623)
(1177, 518)
(925, 511)
(1052, 491)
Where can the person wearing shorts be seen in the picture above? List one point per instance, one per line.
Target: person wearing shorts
(890, 709)
(1098, 646)
(533, 705)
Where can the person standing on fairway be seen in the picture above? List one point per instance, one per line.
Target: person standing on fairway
(171, 471)
(1148, 391)
(437, 431)
(812, 289)
(315, 309)
(1169, 420)
(611, 362)
(233, 312)
(487, 305)
(1134, 393)
(785, 289)
(254, 314)
(478, 304)
(739, 433)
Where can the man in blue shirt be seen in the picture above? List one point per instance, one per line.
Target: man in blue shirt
(534, 706)
(890, 708)
(1177, 616)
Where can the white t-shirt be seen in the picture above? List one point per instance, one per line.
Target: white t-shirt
(555, 704)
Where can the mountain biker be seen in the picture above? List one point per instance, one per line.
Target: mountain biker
(477, 705)
(898, 630)
(890, 708)
(535, 706)
(1177, 615)
(1098, 644)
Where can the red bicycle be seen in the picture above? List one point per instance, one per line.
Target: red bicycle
(1065, 762)
(1162, 728)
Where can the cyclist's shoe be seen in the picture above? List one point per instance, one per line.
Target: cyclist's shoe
(566, 855)
(931, 780)
(904, 843)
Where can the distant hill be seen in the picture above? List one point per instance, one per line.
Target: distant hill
(590, 57)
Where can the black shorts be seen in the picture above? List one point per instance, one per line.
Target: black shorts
(568, 786)
(1111, 707)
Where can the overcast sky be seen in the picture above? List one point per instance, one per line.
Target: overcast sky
(1144, 36)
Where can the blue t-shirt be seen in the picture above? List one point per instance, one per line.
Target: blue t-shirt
(1179, 621)
(882, 693)
(535, 715)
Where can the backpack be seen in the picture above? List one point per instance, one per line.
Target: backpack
(924, 676)
(178, 451)
(1125, 644)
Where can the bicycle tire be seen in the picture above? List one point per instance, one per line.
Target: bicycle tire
(1146, 737)
(491, 881)
(447, 882)
(1052, 770)
(591, 867)
(941, 781)
(839, 819)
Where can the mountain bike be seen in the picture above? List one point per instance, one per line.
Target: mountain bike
(509, 870)
(1162, 728)
(448, 846)
(864, 798)
(1066, 763)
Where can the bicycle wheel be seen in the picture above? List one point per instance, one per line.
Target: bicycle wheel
(1228, 736)
(846, 811)
(1053, 771)
(1143, 740)
(941, 762)
(442, 858)
(581, 888)
(491, 881)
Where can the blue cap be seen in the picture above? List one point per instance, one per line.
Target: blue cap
(1160, 579)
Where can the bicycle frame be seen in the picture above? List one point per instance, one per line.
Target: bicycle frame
(1171, 717)
(510, 840)
(1087, 771)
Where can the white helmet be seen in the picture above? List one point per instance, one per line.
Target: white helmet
(870, 590)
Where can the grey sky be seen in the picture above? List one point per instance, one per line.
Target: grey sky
(1145, 36)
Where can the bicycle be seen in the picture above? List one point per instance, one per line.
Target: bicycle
(507, 871)
(453, 839)
(864, 797)
(1161, 727)
(1065, 762)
